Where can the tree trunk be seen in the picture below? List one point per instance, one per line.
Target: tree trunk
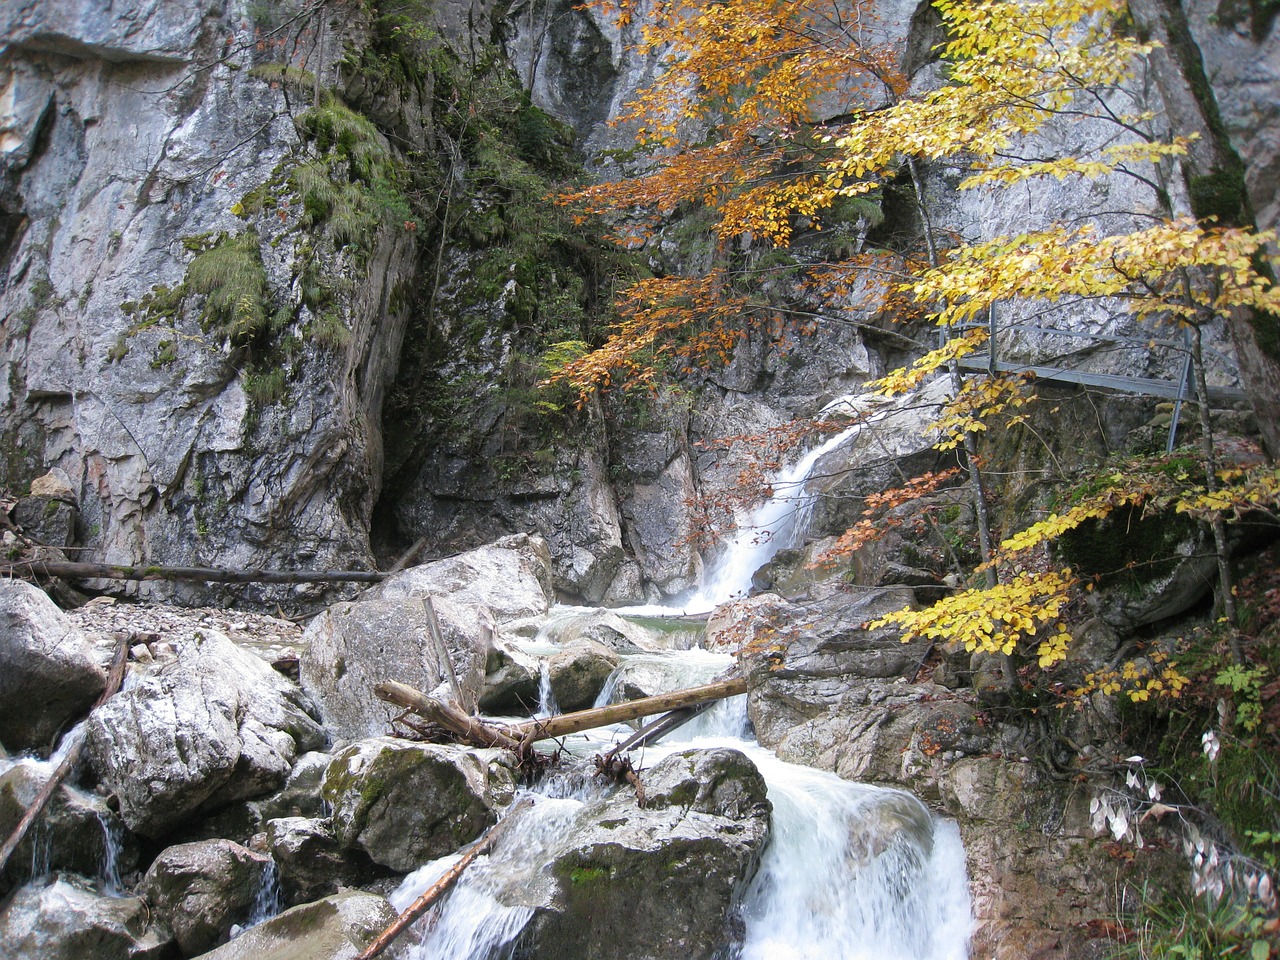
(568, 723)
(111, 571)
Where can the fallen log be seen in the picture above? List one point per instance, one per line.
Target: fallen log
(473, 731)
(567, 723)
(112, 571)
(655, 731)
(441, 886)
(114, 679)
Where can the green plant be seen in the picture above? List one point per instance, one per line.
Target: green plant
(1246, 683)
(1178, 925)
(233, 281)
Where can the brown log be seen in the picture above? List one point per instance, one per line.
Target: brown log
(111, 571)
(655, 731)
(114, 678)
(470, 729)
(441, 886)
(568, 723)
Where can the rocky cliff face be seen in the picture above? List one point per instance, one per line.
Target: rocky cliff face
(206, 342)
(162, 342)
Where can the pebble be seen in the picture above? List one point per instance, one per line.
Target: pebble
(155, 631)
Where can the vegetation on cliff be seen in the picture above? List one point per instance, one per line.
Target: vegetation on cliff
(824, 117)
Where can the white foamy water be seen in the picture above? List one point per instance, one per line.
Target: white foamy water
(850, 871)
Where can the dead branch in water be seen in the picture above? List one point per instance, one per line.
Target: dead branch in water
(114, 679)
(441, 886)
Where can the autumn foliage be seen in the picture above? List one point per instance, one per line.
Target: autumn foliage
(771, 113)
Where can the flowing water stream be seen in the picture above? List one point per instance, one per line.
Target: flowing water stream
(850, 872)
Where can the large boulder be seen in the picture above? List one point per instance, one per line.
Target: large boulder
(352, 647)
(214, 725)
(66, 919)
(50, 672)
(819, 638)
(660, 881)
(311, 862)
(511, 577)
(336, 928)
(578, 673)
(201, 890)
(405, 803)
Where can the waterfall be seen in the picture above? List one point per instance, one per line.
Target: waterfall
(109, 867)
(778, 523)
(850, 871)
(268, 901)
(547, 706)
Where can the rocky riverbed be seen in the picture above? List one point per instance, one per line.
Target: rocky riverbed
(246, 767)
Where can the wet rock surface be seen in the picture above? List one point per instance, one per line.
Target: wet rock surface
(67, 919)
(658, 881)
(78, 831)
(335, 928)
(200, 891)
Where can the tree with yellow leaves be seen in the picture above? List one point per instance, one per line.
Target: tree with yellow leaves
(766, 164)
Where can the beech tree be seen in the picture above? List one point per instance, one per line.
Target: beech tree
(765, 162)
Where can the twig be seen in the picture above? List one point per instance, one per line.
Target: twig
(114, 679)
(441, 886)
(442, 651)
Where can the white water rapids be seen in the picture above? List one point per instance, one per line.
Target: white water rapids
(850, 871)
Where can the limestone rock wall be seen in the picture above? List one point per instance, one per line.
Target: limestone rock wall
(129, 137)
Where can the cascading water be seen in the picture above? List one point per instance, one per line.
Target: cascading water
(778, 523)
(109, 867)
(851, 872)
(268, 901)
(547, 706)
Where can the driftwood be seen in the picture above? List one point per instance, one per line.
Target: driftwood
(619, 769)
(567, 723)
(111, 571)
(114, 679)
(441, 886)
(652, 732)
(442, 651)
(469, 729)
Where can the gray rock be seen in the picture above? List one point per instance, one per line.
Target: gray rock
(300, 795)
(511, 577)
(819, 638)
(311, 862)
(658, 882)
(201, 890)
(511, 680)
(578, 673)
(352, 647)
(55, 484)
(336, 928)
(158, 428)
(66, 919)
(214, 725)
(406, 803)
(614, 631)
(50, 672)
(77, 831)
(46, 519)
